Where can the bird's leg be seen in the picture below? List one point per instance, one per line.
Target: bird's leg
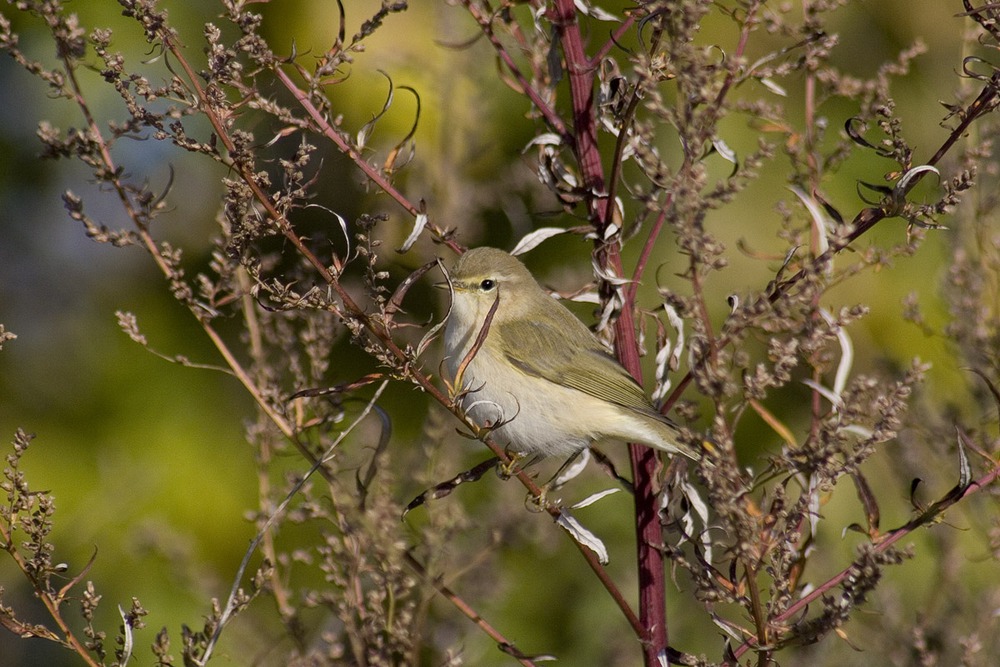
(507, 470)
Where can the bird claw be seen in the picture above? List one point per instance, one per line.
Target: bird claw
(537, 503)
(507, 470)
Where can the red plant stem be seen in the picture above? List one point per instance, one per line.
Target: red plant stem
(652, 603)
(581, 86)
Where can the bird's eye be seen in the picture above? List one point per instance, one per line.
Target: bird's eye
(487, 285)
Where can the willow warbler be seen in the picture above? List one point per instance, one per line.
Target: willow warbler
(540, 377)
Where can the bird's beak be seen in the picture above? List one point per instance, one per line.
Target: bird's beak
(444, 284)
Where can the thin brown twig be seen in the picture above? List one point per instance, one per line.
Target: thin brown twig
(52, 603)
(478, 343)
(459, 603)
(616, 36)
(552, 118)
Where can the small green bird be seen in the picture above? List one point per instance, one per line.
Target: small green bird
(540, 377)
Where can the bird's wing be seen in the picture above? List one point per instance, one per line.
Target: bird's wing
(558, 354)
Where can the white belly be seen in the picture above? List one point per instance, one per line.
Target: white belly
(533, 415)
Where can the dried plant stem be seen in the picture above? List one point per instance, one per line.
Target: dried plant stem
(264, 531)
(927, 517)
(551, 117)
(464, 607)
(51, 601)
(324, 127)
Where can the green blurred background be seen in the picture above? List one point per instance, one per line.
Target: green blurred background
(147, 459)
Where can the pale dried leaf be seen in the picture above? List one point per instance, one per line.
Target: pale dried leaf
(821, 221)
(583, 536)
(594, 497)
(418, 226)
(532, 240)
(573, 470)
